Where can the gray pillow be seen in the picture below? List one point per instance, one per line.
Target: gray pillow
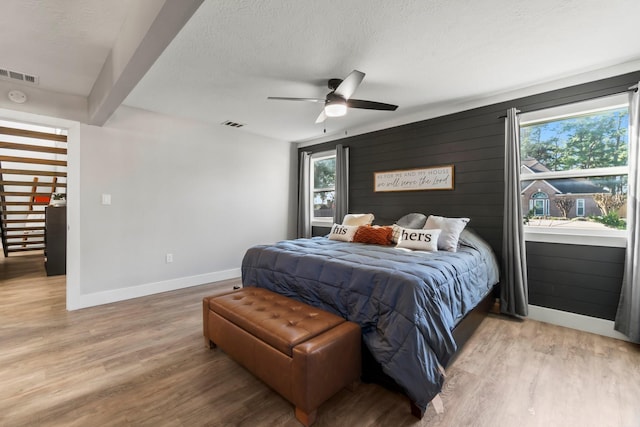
(413, 221)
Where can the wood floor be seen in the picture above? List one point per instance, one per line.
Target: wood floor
(142, 362)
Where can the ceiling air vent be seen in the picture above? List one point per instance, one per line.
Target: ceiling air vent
(232, 124)
(7, 74)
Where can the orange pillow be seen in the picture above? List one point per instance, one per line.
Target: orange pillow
(375, 235)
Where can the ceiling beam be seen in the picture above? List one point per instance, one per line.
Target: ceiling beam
(147, 31)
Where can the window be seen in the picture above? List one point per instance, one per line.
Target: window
(323, 187)
(574, 167)
(580, 207)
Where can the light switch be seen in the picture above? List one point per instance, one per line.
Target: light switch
(106, 199)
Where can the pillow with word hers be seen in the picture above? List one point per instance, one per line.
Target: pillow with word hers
(420, 240)
(343, 233)
(413, 220)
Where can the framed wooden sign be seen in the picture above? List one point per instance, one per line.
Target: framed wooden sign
(433, 178)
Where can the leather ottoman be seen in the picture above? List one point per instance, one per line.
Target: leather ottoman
(304, 353)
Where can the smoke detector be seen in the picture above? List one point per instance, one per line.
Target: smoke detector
(17, 96)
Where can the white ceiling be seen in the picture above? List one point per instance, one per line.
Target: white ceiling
(63, 42)
(232, 54)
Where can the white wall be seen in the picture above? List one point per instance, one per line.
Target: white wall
(200, 192)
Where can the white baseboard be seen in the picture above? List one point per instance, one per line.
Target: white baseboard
(575, 321)
(121, 294)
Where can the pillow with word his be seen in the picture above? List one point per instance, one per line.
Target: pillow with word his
(343, 233)
(420, 240)
(451, 229)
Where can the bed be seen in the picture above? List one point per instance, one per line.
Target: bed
(406, 302)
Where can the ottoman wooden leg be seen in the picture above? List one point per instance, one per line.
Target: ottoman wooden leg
(415, 410)
(306, 418)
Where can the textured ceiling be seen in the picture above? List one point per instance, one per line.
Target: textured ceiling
(63, 42)
(232, 54)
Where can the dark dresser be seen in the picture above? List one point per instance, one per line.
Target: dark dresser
(55, 240)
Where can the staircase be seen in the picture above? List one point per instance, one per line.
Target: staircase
(33, 166)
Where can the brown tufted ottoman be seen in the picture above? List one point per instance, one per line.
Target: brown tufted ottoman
(304, 353)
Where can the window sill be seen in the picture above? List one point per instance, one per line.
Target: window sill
(319, 223)
(608, 238)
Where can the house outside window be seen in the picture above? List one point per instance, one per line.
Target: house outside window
(323, 183)
(574, 168)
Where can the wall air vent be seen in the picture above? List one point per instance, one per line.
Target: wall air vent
(7, 74)
(232, 124)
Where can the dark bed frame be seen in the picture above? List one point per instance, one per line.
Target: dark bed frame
(372, 370)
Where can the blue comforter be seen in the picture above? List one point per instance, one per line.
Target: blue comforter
(406, 302)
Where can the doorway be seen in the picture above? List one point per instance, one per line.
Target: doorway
(16, 263)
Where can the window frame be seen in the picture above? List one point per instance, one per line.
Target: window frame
(319, 221)
(612, 238)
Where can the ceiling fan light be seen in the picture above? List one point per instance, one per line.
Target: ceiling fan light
(335, 109)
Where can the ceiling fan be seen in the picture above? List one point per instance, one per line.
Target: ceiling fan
(339, 99)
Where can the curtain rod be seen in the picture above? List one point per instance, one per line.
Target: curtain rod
(633, 88)
(504, 116)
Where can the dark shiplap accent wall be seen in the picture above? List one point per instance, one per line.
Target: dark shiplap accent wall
(580, 279)
(473, 141)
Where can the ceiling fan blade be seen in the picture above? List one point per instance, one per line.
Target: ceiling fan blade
(322, 117)
(296, 99)
(370, 105)
(349, 84)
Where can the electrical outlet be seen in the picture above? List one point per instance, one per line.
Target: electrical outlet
(169, 258)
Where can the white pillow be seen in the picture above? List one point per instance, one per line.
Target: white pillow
(343, 233)
(451, 229)
(358, 219)
(421, 240)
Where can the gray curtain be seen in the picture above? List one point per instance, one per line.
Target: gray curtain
(341, 198)
(304, 196)
(514, 296)
(628, 315)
